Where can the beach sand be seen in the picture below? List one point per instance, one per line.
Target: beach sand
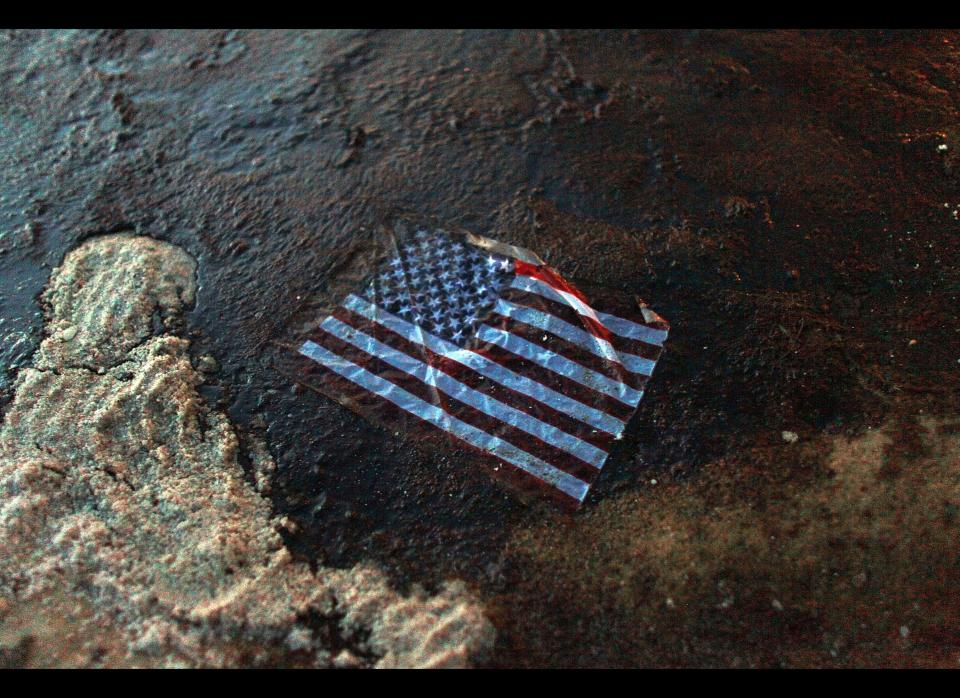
(126, 519)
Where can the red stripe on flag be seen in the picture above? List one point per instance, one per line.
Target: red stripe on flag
(571, 315)
(557, 382)
(570, 351)
(549, 276)
(469, 377)
(487, 423)
(397, 420)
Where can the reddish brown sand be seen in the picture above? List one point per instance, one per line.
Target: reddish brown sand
(856, 563)
(129, 534)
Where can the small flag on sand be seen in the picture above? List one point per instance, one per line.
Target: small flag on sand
(461, 337)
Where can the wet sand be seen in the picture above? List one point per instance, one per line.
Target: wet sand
(126, 510)
(787, 200)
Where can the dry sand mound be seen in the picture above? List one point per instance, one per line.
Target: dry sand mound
(128, 534)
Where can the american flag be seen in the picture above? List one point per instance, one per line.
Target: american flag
(461, 337)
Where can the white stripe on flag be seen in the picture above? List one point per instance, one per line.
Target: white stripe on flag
(504, 450)
(455, 389)
(632, 330)
(538, 286)
(548, 323)
(563, 329)
(617, 325)
(560, 364)
(487, 367)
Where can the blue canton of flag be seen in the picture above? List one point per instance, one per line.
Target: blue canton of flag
(463, 337)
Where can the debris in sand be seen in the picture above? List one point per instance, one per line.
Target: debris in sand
(208, 364)
(127, 523)
(791, 437)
